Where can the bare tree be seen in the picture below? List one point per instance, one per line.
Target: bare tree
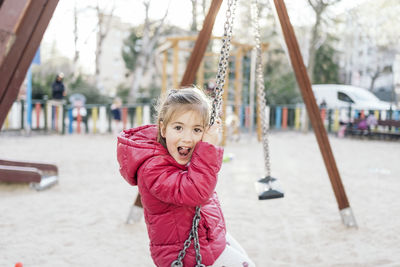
(76, 51)
(194, 16)
(376, 73)
(104, 22)
(381, 31)
(382, 64)
(319, 7)
(203, 8)
(145, 55)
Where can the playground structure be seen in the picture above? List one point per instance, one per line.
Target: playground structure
(179, 46)
(25, 22)
(22, 25)
(39, 175)
(306, 91)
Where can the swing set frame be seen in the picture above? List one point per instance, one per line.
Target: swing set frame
(306, 91)
(22, 28)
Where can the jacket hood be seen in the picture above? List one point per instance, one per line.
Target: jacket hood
(135, 146)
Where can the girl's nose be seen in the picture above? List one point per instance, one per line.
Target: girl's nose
(187, 136)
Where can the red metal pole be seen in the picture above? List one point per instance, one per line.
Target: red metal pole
(78, 120)
(37, 109)
(323, 114)
(284, 117)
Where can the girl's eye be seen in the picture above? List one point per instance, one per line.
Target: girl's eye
(178, 127)
(198, 130)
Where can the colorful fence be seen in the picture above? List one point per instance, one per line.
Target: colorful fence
(54, 116)
(296, 118)
(57, 117)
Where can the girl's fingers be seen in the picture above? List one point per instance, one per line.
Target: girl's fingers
(212, 134)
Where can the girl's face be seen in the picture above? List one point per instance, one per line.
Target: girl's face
(182, 134)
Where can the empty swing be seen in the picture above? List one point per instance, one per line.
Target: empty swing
(267, 187)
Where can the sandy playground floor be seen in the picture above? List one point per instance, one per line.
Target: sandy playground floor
(81, 221)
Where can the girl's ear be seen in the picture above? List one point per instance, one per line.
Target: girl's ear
(162, 129)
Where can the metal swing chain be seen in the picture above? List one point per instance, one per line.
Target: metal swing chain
(261, 100)
(223, 60)
(216, 107)
(193, 234)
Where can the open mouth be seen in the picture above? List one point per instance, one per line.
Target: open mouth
(183, 151)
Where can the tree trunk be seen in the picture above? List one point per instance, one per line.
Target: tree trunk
(313, 43)
(103, 28)
(374, 77)
(145, 53)
(312, 52)
(203, 8)
(319, 7)
(193, 28)
(76, 51)
(75, 73)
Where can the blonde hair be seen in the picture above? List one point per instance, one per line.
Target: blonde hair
(179, 101)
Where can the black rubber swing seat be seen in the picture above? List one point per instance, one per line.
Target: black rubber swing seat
(268, 188)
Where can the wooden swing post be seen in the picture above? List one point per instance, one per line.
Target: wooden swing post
(164, 72)
(201, 44)
(175, 63)
(22, 25)
(200, 74)
(313, 111)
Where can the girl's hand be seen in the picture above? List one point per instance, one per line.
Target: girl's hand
(212, 135)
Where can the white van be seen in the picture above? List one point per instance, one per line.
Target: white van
(341, 96)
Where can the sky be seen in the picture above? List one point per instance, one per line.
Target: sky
(59, 33)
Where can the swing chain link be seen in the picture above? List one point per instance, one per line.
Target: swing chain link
(196, 244)
(216, 107)
(193, 234)
(223, 63)
(261, 99)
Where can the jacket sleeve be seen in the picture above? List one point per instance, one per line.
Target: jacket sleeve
(190, 187)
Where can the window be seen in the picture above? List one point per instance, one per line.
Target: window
(343, 97)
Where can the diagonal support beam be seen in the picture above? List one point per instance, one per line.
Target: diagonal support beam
(313, 111)
(27, 21)
(200, 45)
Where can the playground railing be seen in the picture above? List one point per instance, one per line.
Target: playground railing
(294, 117)
(57, 117)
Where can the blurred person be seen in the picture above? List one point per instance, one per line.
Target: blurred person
(58, 88)
(116, 115)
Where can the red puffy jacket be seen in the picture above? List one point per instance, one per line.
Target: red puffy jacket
(170, 192)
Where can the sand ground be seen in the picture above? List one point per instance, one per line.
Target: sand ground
(81, 221)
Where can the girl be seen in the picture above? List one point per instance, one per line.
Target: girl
(175, 165)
